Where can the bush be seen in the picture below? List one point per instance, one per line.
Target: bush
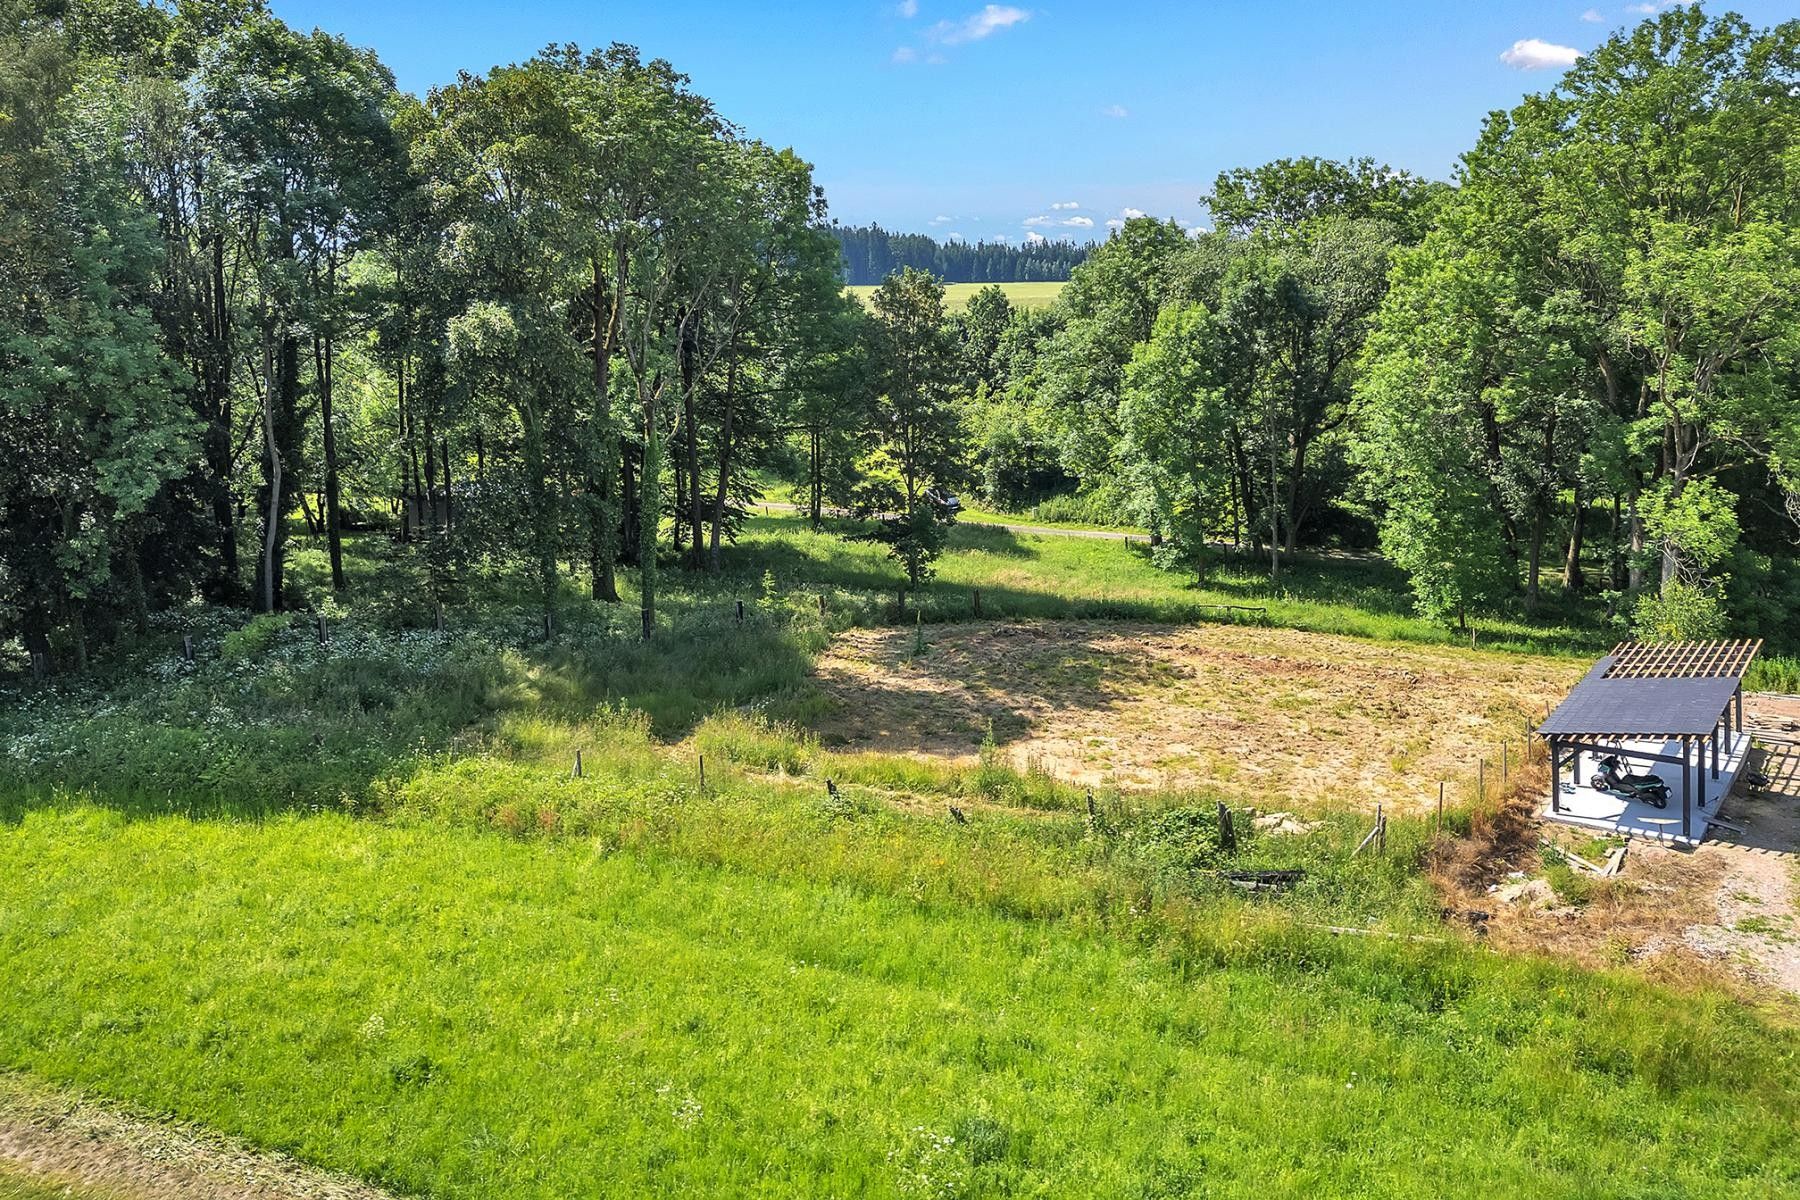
(255, 638)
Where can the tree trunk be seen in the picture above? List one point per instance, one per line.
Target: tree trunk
(323, 354)
(444, 451)
(689, 496)
(1634, 525)
(272, 516)
(1533, 570)
(219, 430)
(718, 514)
(603, 522)
(1573, 578)
(818, 480)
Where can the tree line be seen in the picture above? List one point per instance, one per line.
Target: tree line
(553, 314)
(564, 317)
(1578, 360)
(872, 253)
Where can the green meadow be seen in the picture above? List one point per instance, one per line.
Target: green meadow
(353, 902)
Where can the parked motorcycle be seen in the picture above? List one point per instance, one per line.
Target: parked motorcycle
(1612, 777)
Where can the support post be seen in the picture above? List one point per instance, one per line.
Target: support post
(1700, 770)
(1556, 774)
(1715, 751)
(1687, 792)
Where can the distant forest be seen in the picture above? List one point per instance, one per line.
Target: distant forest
(871, 254)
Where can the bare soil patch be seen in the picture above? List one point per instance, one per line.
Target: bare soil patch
(94, 1151)
(1272, 717)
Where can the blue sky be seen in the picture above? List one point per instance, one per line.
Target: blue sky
(1014, 119)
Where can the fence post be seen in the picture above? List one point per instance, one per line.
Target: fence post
(740, 612)
(703, 772)
(1380, 830)
(438, 615)
(187, 647)
(1481, 782)
(578, 764)
(1505, 754)
(1227, 835)
(323, 640)
(978, 602)
(1440, 816)
(821, 604)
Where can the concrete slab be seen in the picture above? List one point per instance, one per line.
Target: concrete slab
(1587, 806)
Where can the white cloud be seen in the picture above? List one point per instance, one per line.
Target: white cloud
(1062, 204)
(1652, 9)
(1040, 219)
(1034, 236)
(1592, 16)
(940, 219)
(905, 54)
(955, 237)
(1115, 110)
(1115, 223)
(1131, 214)
(1080, 222)
(1001, 237)
(908, 9)
(1535, 54)
(990, 20)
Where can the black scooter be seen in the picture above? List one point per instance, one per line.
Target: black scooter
(1613, 778)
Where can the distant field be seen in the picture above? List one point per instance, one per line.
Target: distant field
(956, 295)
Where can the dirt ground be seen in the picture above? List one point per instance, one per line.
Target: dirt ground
(58, 1142)
(1262, 715)
(1729, 908)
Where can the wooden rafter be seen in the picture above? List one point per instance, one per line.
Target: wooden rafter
(1683, 660)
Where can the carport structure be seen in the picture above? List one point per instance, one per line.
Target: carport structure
(1676, 706)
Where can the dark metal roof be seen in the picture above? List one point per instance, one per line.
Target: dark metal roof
(1605, 705)
(1682, 660)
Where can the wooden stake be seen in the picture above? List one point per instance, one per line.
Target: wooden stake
(1481, 782)
(978, 602)
(322, 638)
(578, 764)
(703, 772)
(438, 615)
(187, 646)
(740, 612)
(1440, 816)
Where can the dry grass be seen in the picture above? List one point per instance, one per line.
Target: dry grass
(1261, 715)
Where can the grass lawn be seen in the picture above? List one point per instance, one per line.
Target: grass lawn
(957, 295)
(464, 1014)
(1045, 575)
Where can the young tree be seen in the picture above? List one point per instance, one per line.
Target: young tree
(915, 417)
